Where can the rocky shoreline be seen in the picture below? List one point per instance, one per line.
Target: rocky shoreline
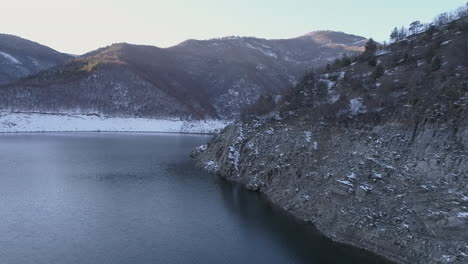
(373, 152)
(393, 190)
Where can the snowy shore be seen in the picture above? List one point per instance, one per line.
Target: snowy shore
(45, 122)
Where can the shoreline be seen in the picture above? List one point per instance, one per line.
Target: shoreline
(106, 132)
(379, 255)
(353, 193)
(67, 123)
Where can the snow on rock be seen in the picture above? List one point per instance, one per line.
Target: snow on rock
(464, 197)
(376, 175)
(356, 106)
(10, 58)
(334, 98)
(270, 131)
(211, 166)
(366, 187)
(345, 182)
(37, 122)
(445, 43)
(462, 215)
(202, 148)
(333, 95)
(352, 176)
(447, 259)
(341, 76)
(328, 83)
(240, 136)
(234, 156)
(382, 52)
(308, 136)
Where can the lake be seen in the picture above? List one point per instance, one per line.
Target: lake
(137, 198)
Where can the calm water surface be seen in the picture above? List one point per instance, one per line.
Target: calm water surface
(137, 198)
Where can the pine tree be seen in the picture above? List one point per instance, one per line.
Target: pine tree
(442, 19)
(371, 46)
(415, 27)
(394, 36)
(402, 33)
(345, 60)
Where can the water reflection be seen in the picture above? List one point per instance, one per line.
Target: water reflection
(303, 241)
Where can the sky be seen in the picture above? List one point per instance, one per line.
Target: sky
(79, 26)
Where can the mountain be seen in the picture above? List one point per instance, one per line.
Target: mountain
(20, 58)
(196, 79)
(374, 153)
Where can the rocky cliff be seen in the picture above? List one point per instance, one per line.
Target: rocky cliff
(374, 154)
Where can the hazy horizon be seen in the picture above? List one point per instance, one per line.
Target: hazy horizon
(79, 27)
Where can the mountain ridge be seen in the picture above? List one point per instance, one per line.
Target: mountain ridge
(195, 79)
(20, 58)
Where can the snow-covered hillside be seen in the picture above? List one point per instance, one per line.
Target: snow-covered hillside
(20, 58)
(37, 122)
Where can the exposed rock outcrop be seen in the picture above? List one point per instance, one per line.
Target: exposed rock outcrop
(374, 154)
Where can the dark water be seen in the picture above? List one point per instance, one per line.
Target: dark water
(119, 198)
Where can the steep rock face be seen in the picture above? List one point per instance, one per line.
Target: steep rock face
(371, 188)
(20, 58)
(374, 154)
(196, 79)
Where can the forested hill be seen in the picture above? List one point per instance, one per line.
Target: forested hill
(197, 79)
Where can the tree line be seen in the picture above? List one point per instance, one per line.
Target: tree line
(417, 27)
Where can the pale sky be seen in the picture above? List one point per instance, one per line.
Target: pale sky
(79, 26)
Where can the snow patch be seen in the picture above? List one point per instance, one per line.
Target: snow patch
(345, 182)
(211, 166)
(356, 106)
(41, 122)
(366, 187)
(10, 58)
(308, 136)
(464, 197)
(328, 83)
(445, 43)
(202, 148)
(341, 76)
(382, 52)
(352, 176)
(462, 215)
(234, 156)
(264, 51)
